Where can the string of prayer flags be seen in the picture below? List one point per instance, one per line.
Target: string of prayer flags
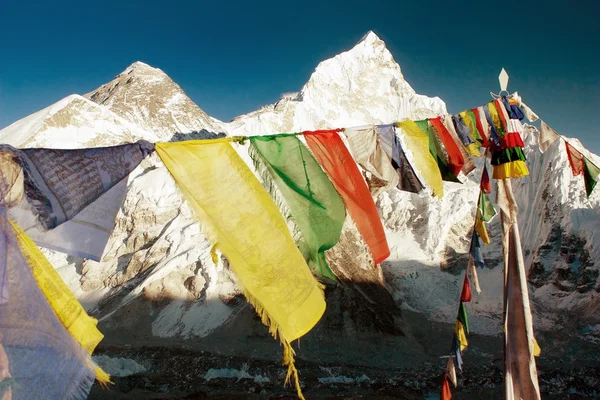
(241, 219)
(337, 162)
(547, 136)
(417, 143)
(315, 205)
(407, 178)
(368, 153)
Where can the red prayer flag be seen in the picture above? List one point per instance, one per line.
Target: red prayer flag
(575, 159)
(446, 394)
(466, 295)
(500, 108)
(482, 132)
(455, 158)
(329, 149)
(485, 185)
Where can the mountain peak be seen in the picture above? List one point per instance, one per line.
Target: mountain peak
(370, 38)
(141, 68)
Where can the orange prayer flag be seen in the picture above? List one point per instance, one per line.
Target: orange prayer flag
(446, 394)
(329, 149)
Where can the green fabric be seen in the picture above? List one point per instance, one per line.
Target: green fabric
(508, 155)
(474, 132)
(590, 174)
(486, 209)
(314, 204)
(462, 316)
(436, 152)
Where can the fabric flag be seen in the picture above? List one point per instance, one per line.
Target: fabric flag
(65, 305)
(590, 174)
(461, 335)
(536, 348)
(466, 295)
(462, 130)
(468, 118)
(456, 160)
(368, 153)
(59, 184)
(329, 149)
(241, 219)
(11, 193)
(407, 178)
(473, 274)
(531, 116)
(547, 136)
(462, 316)
(456, 351)
(475, 250)
(481, 229)
(469, 164)
(503, 114)
(38, 357)
(483, 122)
(451, 371)
(446, 394)
(494, 135)
(486, 186)
(485, 210)
(511, 112)
(438, 151)
(575, 159)
(315, 205)
(521, 381)
(481, 128)
(417, 143)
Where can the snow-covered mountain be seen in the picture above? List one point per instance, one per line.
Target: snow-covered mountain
(147, 97)
(157, 280)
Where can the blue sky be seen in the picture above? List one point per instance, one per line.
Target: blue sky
(232, 57)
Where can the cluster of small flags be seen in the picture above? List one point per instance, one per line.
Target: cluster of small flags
(485, 211)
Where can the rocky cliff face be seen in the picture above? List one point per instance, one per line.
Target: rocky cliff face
(157, 282)
(147, 97)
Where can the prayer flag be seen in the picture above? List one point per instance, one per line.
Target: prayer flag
(590, 174)
(407, 178)
(547, 136)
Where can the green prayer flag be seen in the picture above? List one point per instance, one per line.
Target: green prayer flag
(437, 150)
(462, 316)
(590, 174)
(473, 127)
(486, 209)
(314, 204)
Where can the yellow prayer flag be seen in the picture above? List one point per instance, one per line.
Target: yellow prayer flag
(481, 230)
(461, 336)
(536, 348)
(239, 215)
(417, 143)
(65, 305)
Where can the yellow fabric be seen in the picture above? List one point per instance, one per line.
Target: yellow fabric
(536, 348)
(65, 305)
(481, 230)
(461, 336)
(417, 143)
(513, 169)
(473, 149)
(237, 213)
(495, 118)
